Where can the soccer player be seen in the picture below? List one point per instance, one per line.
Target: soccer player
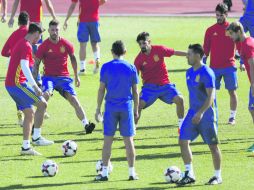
(88, 26)
(222, 52)
(17, 35)
(54, 53)
(26, 94)
(3, 8)
(119, 79)
(201, 117)
(246, 50)
(247, 20)
(150, 62)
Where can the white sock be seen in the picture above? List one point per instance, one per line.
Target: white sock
(217, 173)
(232, 114)
(132, 171)
(104, 171)
(37, 133)
(26, 144)
(85, 122)
(180, 122)
(82, 64)
(96, 55)
(189, 168)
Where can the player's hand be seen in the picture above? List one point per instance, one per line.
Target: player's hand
(242, 67)
(3, 19)
(11, 22)
(77, 81)
(98, 115)
(65, 26)
(37, 90)
(197, 117)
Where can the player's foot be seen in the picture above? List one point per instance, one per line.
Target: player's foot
(46, 115)
(20, 118)
(82, 72)
(29, 151)
(89, 128)
(96, 66)
(214, 181)
(187, 179)
(41, 141)
(101, 178)
(231, 121)
(251, 148)
(135, 177)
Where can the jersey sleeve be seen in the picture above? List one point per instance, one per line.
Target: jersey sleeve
(103, 77)
(208, 78)
(134, 76)
(249, 52)
(74, 1)
(6, 51)
(167, 52)
(207, 43)
(40, 52)
(26, 53)
(69, 47)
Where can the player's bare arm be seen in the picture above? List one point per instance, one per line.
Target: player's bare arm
(13, 12)
(101, 94)
(136, 101)
(251, 63)
(70, 11)
(36, 68)
(4, 9)
(102, 2)
(180, 53)
(75, 69)
(50, 8)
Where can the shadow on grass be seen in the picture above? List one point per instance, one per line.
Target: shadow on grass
(176, 70)
(15, 159)
(9, 125)
(156, 127)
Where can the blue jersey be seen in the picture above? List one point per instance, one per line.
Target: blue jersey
(118, 76)
(249, 10)
(197, 82)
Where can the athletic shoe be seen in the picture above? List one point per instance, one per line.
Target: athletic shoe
(29, 151)
(20, 118)
(82, 72)
(135, 177)
(187, 179)
(89, 128)
(214, 181)
(101, 178)
(46, 115)
(251, 148)
(41, 141)
(96, 66)
(231, 121)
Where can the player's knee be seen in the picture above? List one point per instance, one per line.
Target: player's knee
(214, 148)
(29, 113)
(178, 100)
(43, 105)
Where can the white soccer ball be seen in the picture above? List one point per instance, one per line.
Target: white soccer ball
(49, 168)
(99, 165)
(69, 148)
(172, 174)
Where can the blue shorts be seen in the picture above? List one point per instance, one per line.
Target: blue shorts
(23, 95)
(248, 24)
(86, 29)
(230, 78)
(251, 101)
(60, 84)
(151, 92)
(125, 118)
(207, 127)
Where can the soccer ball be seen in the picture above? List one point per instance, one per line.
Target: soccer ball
(99, 165)
(69, 148)
(49, 168)
(172, 174)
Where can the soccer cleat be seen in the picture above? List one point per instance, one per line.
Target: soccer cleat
(89, 128)
(82, 72)
(231, 121)
(20, 118)
(96, 66)
(187, 179)
(29, 151)
(251, 148)
(135, 177)
(41, 141)
(101, 178)
(214, 181)
(46, 115)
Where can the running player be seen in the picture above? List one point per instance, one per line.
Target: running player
(88, 27)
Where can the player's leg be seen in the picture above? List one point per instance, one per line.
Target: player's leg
(251, 110)
(244, 21)
(233, 106)
(20, 117)
(83, 38)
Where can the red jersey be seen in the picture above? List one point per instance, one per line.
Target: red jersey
(55, 57)
(23, 50)
(13, 39)
(152, 67)
(220, 46)
(33, 8)
(88, 10)
(246, 50)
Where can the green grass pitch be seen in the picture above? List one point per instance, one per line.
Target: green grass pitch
(156, 140)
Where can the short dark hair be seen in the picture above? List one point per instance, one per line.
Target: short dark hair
(222, 8)
(34, 27)
(53, 23)
(235, 27)
(23, 18)
(197, 49)
(143, 36)
(118, 48)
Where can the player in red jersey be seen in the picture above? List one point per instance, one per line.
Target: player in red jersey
(23, 89)
(156, 85)
(246, 50)
(3, 8)
(221, 50)
(88, 27)
(54, 53)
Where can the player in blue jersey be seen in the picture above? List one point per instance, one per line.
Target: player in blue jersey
(247, 20)
(201, 117)
(119, 79)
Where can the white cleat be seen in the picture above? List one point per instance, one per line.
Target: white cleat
(214, 181)
(82, 72)
(41, 141)
(29, 151)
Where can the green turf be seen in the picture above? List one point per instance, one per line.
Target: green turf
(156, 139)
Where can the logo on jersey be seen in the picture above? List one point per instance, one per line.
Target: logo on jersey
(62, 49)
(50, 51)
(156, 58)
(144, 63)
(215, 34)
(197, 78)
